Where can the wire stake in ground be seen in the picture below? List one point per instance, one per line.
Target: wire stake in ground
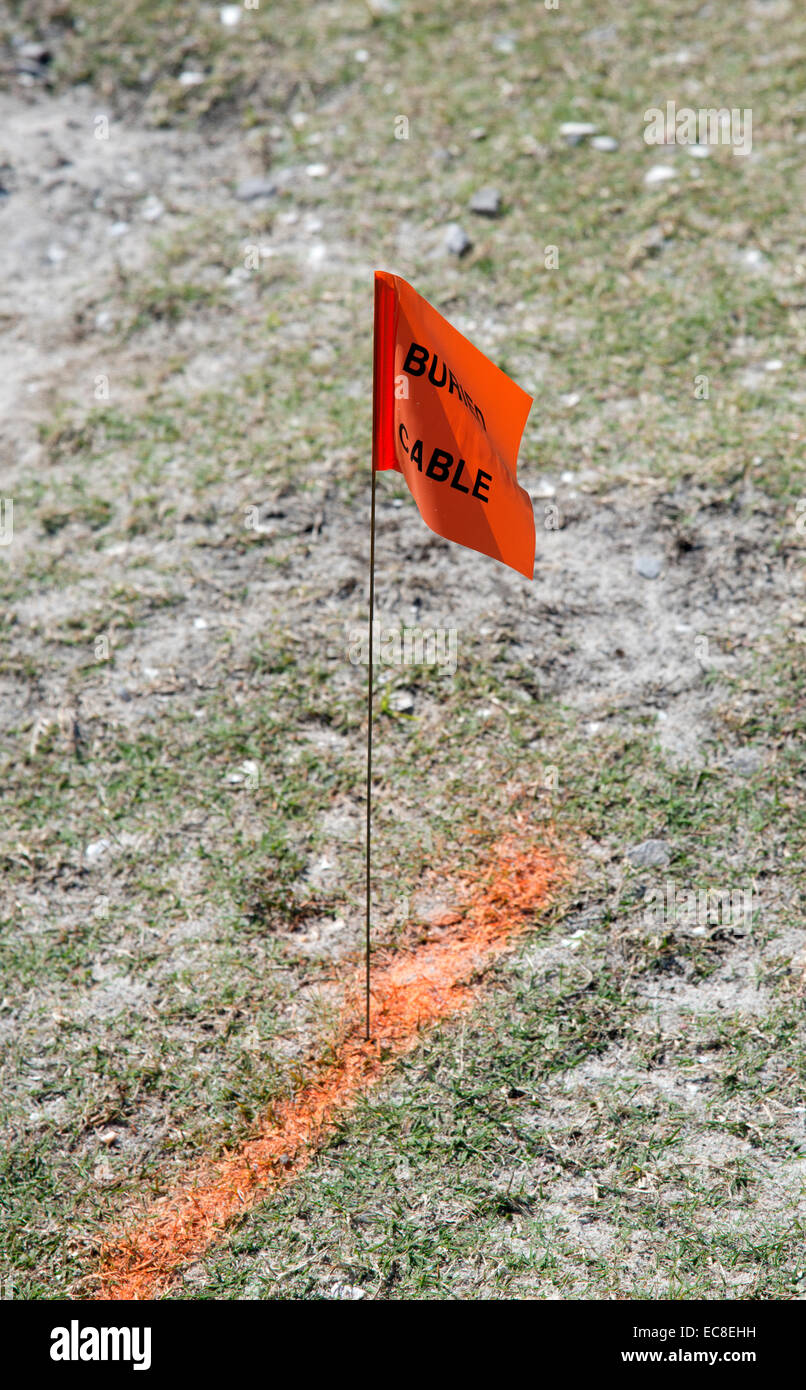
(369, 737)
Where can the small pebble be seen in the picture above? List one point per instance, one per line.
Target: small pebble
(96, 848)
(251, 189)
(486, 202)
(36, 52)
(402, 701)
(650, 854)
(659, 173)
(573, 132)
(648, 566)
(455, 240)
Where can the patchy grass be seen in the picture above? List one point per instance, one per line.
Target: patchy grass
(622, 1115)
(497, 1162)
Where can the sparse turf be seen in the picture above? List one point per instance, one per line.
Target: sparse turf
(624, 1114)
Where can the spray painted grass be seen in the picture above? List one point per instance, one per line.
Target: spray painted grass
(410, 991)
(110, 1096)
(506, 1157)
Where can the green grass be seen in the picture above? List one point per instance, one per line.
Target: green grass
(190, 1058)
(494, 1160)
(482, 1168)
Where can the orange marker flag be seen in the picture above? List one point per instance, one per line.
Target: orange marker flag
(451, 422)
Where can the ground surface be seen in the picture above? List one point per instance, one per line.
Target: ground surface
(185, 384)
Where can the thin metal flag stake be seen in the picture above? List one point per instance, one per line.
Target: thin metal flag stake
(369, 731)
(489, 512)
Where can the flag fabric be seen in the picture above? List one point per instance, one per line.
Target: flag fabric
(451, 422)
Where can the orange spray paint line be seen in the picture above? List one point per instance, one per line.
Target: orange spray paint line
(411, 990)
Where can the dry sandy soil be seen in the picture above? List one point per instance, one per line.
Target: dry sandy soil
(183, 726)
